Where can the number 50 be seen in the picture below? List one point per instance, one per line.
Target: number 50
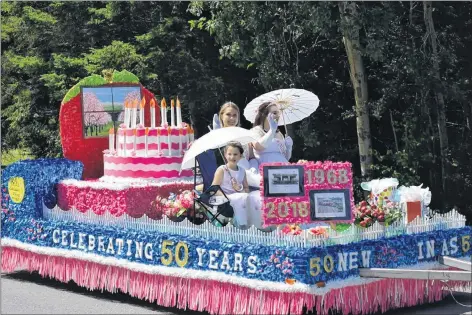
(167, 257)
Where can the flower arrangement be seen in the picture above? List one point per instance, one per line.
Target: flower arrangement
(279, 262)
(292, 229)
(318, 231)
(175, 206)
(295, 229)
(36, 232)
(367, 214)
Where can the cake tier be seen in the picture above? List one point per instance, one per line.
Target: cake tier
(158, 139)
(147, 168)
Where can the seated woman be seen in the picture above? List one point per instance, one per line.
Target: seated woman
(233, 182)
(229, 116)
(271, 146)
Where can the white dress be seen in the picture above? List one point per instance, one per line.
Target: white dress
(251, 166)
(246, 206)
(255, 209)
(238, 200)
(275, 152)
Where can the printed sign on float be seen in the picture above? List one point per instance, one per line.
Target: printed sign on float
(307, 192)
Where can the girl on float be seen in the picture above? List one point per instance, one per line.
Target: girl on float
(271, 146)
(233, 182)
(229, 116)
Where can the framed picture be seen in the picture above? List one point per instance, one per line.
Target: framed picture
(330, 204)
(103, 107)
(284, 180)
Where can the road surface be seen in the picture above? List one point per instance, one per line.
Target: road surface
(25, 293)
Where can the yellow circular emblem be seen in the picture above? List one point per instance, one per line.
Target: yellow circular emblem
(16, 189)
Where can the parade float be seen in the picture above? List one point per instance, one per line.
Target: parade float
(117, 214)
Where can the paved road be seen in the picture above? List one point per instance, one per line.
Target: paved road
(24, 293)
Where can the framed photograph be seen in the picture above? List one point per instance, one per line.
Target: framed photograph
(330, 204)
(103, 107)
(284, 180)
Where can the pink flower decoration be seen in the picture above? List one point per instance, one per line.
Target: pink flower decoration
(324, 175)
(318, 231)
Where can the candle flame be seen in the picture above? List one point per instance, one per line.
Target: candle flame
(134, 132)
(163, 103)
(126, 104)
(111, 131)
(158, 131)
(172, 103)
(135, 103)
(147, 131)
(153, 103)
(178, 103)
(168, 129)
(181, 131)
(143, 102)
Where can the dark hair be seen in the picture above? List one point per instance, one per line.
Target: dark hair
(235, 144)
(262, 113)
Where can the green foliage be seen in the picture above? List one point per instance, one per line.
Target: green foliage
(24, 64)
(15, 155)
(124, 76)
(38, 16)
(118, 55)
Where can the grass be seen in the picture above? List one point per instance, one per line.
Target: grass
(15, 155)
(103, 132)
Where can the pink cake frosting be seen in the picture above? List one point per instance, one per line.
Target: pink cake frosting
(127, 137)
(155, 156)
(147, 168)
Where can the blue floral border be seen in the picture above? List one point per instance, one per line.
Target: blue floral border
(273, 263)
(268, 263)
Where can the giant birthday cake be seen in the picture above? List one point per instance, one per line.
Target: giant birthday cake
(148, 153)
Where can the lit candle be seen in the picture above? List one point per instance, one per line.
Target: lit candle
(125, 119)
(146, 141)
(180, 141)
(134, 139)
(135, 109)
(141, 111)
(188, 136)
(172, 118)
(163, 113)
(191, 134)
(111, 139)
(168, 141)
(124, 142)
(153, 113)
(179, 114)
(130, 109)
(158, 141)
(119, 140)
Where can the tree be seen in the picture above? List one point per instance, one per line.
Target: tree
(441, 108)
(358, 75)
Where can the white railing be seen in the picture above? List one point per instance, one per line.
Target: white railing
(229, 233)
